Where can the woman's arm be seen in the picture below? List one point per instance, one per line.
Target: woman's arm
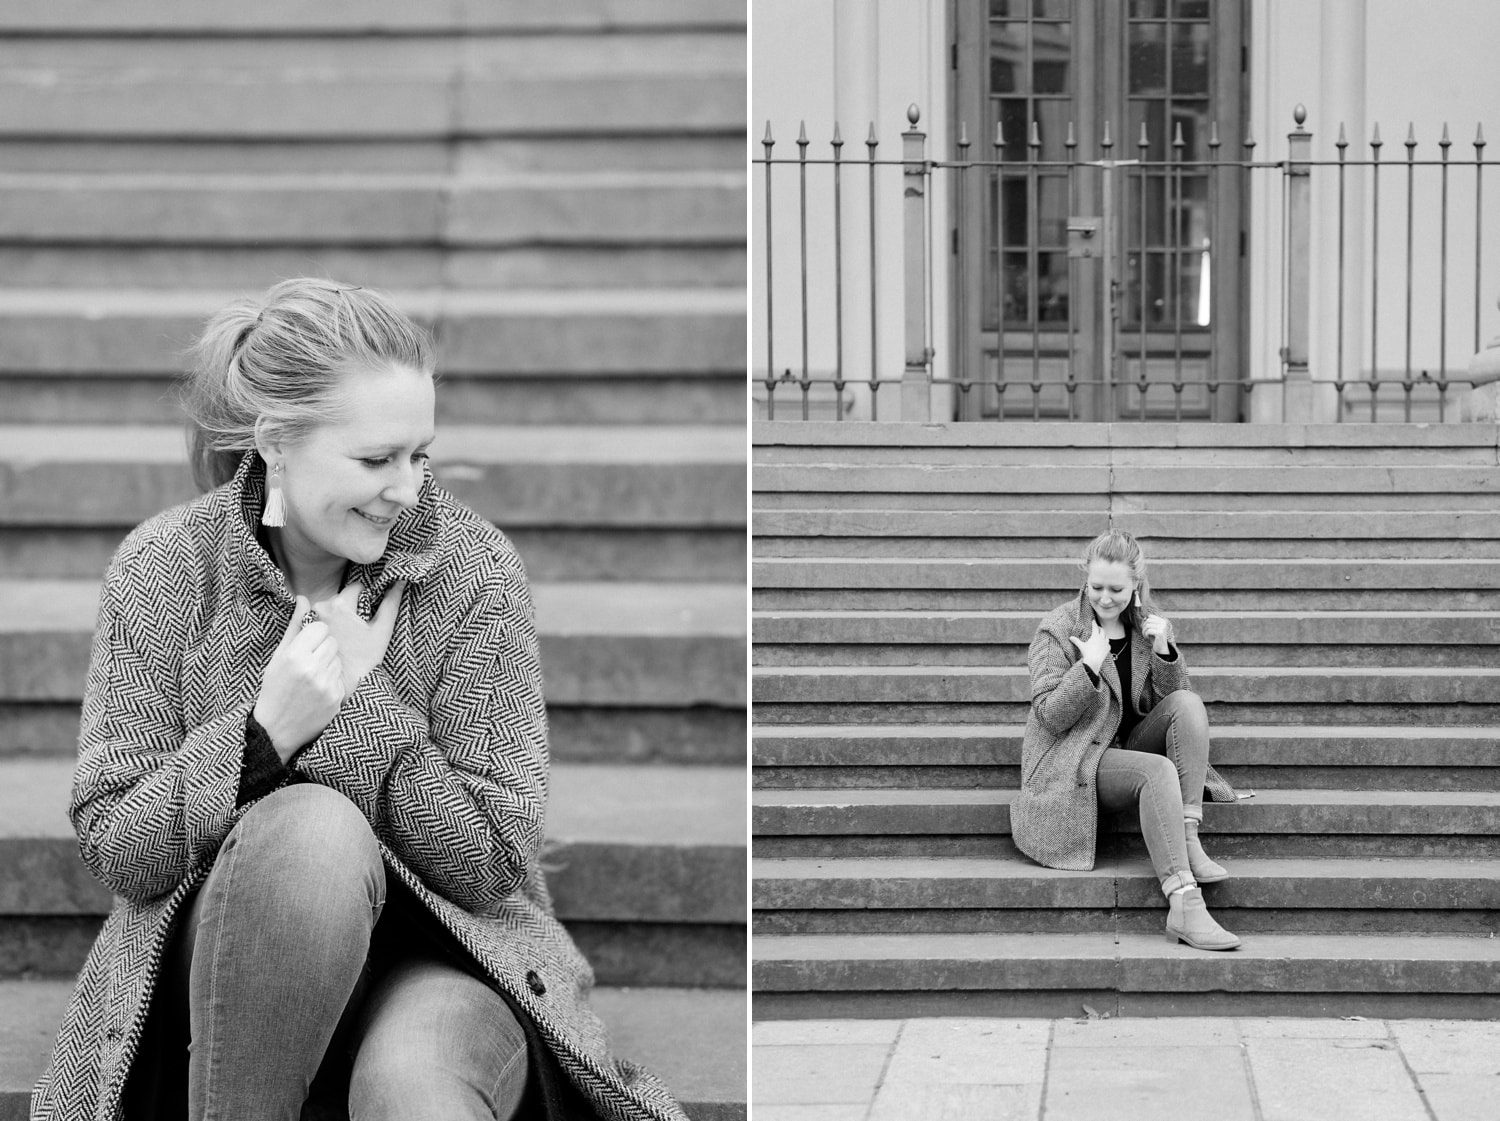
(460, 792)
(150, 798)
(1062, 690)
(1168, 672)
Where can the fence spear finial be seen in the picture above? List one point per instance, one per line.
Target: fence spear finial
(838, 141)
(1108, 142)
(1343, 141)
(1375, 141)
(1071, 141)
(802, 140)
(870, 141)
(766, 140)
(963, 135)
(1213, 134)
(1479, 136)
(999, 135)
(1445, 143)
(1411, 138)
(1144, 141)
(1036, 135)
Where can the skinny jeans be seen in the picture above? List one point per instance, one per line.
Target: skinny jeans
(1161, 769)
(300, 984)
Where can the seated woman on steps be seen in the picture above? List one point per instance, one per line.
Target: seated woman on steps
(313, 769)
(1114, 726)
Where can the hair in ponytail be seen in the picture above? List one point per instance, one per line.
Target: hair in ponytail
(1118, 547)
(279, 361)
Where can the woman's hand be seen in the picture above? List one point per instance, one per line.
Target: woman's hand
(1154, 627)
(1096, 649)
(303, 685)
(361, 645)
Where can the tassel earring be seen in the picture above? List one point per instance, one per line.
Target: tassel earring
(275, 512)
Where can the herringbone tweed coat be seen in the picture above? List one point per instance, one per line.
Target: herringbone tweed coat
(1055, 819)
(443, 746)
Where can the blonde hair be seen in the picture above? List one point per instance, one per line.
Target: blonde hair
(279, 362)
(1116, 546)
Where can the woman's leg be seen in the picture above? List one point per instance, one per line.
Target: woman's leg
(436, 1042)
(277, 940)
(1178, 728)
(1128, 779)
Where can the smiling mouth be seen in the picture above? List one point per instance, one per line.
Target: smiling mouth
(373, 520)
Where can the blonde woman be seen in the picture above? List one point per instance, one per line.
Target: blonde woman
(313, 770)
(1114, 725)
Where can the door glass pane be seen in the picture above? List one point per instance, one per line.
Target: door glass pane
(1008, 9)
(1192, 118)
(1148, 9)
(1016, 215)
(1007, 57)
(1052, 46)
(1154, 115)
(1052, 124)
(1017, 302)
(1190, 48)
(1155, 213)
(1052, 9)
(1016, 122)
(1190, 9)
(1148, 58)
(1052, 205)
(1052, 287)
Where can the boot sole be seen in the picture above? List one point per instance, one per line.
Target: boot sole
(1174, 937)
(1215, 880)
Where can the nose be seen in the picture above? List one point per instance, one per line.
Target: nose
(402, 490)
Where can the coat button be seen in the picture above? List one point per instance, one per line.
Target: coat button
(534, 982)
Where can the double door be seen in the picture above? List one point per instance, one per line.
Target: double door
(1080, 268)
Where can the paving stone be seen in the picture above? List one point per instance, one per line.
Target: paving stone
(793, 1033)
(1167, 1032)
(1286, 1027)
(978, 1052)
(1460, 1097)
(966, 1101)
(1445, 1047)
(817, 1074)
(1333, 1080)
(1138, 1083)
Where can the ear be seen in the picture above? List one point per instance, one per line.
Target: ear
(268, 442)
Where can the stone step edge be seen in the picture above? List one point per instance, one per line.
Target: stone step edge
(694, 1038)
(1392, 883)
(565, 610)
(668, 806)
(994, 797)
(1120, 435)
(1126, 961)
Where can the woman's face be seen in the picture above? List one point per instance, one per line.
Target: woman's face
(347, 481)
(1110, 588)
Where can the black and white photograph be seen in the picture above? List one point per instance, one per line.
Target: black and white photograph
(1125, 729)
(373, 560)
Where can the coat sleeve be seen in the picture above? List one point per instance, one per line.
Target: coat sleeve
(1062, 692)
(1168, 676)
(459, 793)
(151, 798)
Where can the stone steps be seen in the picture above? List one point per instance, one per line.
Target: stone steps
(646, 866)
(1302, 584)
(876, 976)
(1449, 695)
(693, 1038)
(1268, 638)
(951, 895)
(1257, 757)
(620, 502)
(1275, 822)
(636, 671)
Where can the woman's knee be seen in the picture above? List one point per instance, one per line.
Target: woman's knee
(436, 1042)
(1186, 707)
(307, 838)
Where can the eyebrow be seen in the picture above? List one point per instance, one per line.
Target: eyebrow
(376, 449)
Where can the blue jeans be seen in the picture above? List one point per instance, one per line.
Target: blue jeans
(293, 986)
(1161, 768)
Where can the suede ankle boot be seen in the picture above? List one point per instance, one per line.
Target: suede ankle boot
(1205, 871)
(1188, 921)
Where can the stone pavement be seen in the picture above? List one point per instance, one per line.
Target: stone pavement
(1120, 1070)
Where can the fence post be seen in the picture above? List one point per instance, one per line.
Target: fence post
(916, 379)
(1298, 406)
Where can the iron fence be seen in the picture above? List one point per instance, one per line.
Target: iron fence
(1035, 345)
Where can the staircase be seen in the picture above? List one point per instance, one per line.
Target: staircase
(557, 191)
(1336, 590)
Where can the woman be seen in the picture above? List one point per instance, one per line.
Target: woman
(313, 770)
(1092, 741)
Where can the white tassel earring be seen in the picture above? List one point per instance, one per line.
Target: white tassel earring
(275, 512)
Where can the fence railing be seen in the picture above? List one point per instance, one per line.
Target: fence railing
(1140, 323)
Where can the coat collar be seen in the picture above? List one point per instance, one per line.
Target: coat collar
(411, 553)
